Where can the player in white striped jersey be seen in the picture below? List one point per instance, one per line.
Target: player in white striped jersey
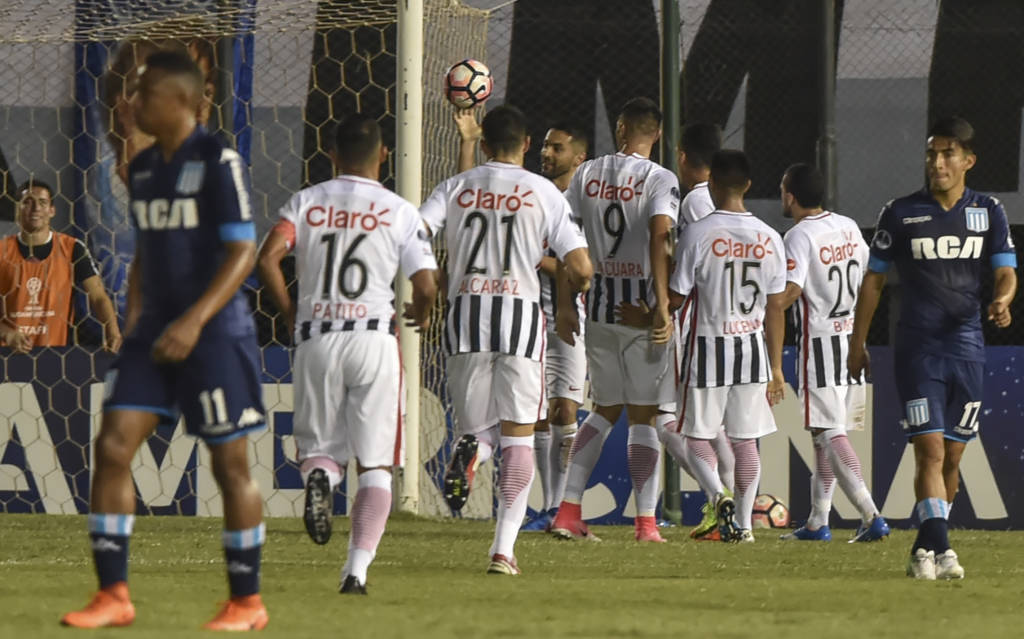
(731, 272)
(497, 220)
(350, 236)
(565, 365)
(826, 256)
(628, 206)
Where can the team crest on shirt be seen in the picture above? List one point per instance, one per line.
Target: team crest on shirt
(977, 218)
(190, 180)
(917, 412)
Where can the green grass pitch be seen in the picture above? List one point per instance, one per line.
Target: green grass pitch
(428, 581)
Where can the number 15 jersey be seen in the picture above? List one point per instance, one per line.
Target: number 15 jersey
(616, 196)
(499, 219)
(728, 265)
(351, 235)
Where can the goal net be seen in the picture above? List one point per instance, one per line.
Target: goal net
(278, 73)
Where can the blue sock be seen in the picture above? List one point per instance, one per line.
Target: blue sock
(110, 535)
(242, 553)
(933, 533)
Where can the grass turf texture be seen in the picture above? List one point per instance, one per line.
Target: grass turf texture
(428, 580)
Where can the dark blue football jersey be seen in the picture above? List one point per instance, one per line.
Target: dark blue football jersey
(184, 211)
(939, 256)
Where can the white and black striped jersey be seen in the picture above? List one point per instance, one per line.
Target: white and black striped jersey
(616, 196)
(729, 263)
(826, 257)
(548, 303)
(350, 236)
(498, 219)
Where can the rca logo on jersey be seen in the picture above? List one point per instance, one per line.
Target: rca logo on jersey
(605, 191)
(947, 247)
(727, 247)
(482, 199)
(161, 215)
(334, 218)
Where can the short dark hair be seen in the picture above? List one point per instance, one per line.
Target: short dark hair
(806, 184)
(356, 140)
(33, 183)
(179, 63)
(956, 128)
(642, 114)
(573, 130)
(699, 142)
(504, 129)
(730, 168)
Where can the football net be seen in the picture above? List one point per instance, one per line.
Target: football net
(277, 74)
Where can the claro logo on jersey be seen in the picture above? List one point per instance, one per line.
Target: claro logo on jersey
(946, 247)
(604, 191)
(832, 253)
(333, 218)
(160, 215)
(484, 199)
(728, 247)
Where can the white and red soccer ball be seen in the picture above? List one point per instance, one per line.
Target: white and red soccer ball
(468, 83)
(769, 512)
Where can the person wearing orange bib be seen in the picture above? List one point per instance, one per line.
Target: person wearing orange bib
(39, 270)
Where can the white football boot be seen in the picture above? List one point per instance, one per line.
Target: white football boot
(922, 565)
(947, 566)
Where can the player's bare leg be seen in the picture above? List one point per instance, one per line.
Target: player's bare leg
(643, 454)
(586, 449)
(369, 517)
(514, 481)
(244, 534)
(953, 452)
(111, 517)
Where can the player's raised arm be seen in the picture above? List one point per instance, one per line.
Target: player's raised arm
(469, 135)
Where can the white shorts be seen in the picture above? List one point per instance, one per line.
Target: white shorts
(348, 398)
(626, 368)
(834, 407)
(565, 368)
(487, 388)
(742, 408)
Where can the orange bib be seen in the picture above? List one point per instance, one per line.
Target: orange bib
(38, 293)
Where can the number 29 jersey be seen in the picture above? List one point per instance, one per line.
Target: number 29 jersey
(728, 264)
(351, 235)
(825, 256)
(498, 221)
(616, 196)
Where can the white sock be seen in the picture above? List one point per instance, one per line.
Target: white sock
(542, 457)
(514, 486)
(823, 483)
(726, 460)
(486, 442)
(847, 468)
(748, 475)
(701, 457)
(675, 443)
(369, 517)
(643, 454)
(562, 438)
(586, 449)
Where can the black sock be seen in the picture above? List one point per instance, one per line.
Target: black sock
(110, 555)
(242, 553)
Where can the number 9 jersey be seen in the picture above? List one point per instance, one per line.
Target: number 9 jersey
(350, 236)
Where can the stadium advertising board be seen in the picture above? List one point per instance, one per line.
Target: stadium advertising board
(51, 404)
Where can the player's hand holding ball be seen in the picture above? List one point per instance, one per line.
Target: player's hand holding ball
(999, 313)
(177, 340)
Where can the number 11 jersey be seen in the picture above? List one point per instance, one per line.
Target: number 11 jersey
(350, 236)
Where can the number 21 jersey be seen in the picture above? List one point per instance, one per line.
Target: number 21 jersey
(498, 220)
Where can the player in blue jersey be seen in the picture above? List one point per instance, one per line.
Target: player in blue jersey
(190, 342)
(938, 239)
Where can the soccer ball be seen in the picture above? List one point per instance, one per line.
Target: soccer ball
(468, 83)
(769, 512)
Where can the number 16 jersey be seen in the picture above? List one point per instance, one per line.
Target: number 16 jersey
(350, 236)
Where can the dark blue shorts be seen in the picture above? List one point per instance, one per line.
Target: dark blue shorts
(939, 395)
(217, 388)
